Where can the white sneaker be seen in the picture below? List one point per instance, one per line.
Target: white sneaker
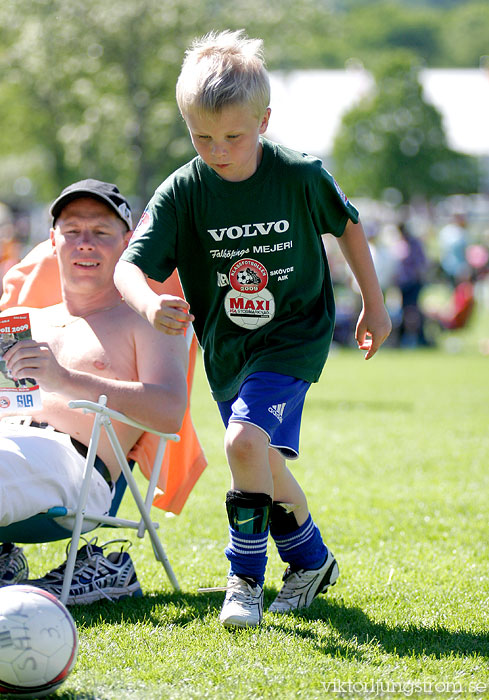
(243, 604)
(13, 565)
(301, 586)
(96, 576)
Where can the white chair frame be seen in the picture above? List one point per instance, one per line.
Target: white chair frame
(103, 417)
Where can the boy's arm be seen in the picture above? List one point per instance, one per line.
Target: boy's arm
(166, 313)
(374, 324)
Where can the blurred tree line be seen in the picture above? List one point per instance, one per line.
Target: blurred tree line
(392, 144)
(88, 88)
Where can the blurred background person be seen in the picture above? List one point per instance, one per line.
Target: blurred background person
(453, 243)
(410, 276)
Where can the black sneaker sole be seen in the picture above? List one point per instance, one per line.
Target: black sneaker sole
(326, 580)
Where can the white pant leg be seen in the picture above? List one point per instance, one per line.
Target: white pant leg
(39, 469)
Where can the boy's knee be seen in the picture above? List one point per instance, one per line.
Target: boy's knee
(244, 442)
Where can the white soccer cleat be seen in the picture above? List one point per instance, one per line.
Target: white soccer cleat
(301, 586)
(243, 604)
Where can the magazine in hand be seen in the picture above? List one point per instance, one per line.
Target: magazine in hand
(16, 395)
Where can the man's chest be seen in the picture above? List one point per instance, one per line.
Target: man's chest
(92, 348)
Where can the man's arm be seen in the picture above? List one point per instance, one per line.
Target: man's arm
(157, 398)
(374, 324)
(166, 313)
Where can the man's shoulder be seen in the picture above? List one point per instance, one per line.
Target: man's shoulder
(129, 321)
(126, 321)
(162, 352)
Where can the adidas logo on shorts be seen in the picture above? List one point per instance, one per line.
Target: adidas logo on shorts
(277, 410)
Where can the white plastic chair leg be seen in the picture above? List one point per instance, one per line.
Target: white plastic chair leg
(155, 540)
(80, 511)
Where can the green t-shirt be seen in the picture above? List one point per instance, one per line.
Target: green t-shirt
(251, 261)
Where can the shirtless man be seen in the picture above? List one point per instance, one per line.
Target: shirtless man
(90, 344)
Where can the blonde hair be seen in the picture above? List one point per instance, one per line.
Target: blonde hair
(222, 69)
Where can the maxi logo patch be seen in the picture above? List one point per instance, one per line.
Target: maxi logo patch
(249, 304)
(250, 310)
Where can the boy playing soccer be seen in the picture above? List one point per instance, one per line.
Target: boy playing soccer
(242, 222)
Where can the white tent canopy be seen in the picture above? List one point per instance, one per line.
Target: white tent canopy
(307, 106)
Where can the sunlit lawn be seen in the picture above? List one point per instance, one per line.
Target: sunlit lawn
(395, 456)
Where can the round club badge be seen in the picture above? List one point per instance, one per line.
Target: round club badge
(248, 276)
(143, 225)
(249, 310)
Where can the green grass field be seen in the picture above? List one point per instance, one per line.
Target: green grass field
(395, 457)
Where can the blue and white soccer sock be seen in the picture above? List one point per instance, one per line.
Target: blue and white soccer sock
(249, 517)
(300, 546)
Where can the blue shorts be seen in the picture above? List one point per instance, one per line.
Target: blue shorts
(272, 402)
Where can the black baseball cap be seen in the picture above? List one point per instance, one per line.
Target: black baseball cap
(105, 191)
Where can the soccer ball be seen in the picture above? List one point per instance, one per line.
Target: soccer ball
(243, 277)
(38, 642)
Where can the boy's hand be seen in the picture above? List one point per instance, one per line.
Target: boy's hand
(372, 329)
(169, 314)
